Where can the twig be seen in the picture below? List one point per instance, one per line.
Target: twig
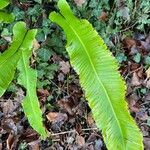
(72, 131)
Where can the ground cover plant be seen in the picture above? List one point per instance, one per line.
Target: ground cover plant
(66, 114)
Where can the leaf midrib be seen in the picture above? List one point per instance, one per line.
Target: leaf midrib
(109, 100)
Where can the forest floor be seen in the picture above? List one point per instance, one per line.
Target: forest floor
(125, 28)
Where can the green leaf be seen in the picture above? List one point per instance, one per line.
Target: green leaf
(147, 60)
(3, 3)
(10, 58)
(137, 58)
(28, 79)
(100, 79)
(7, 18)
(44, 54)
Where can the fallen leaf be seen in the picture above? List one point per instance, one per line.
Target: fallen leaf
(80, 140)
(103, 16)
(64, 66)
(146, 44)
(66, 105)
(147, 143)
(43, 94)
(90, 121)
(129, 42)
(56, 117)
(34, 145)
(148, 73)
(35, 45)
(7, 106)
(135, 80)
(79, 2)
(11, 142)
(142, 115)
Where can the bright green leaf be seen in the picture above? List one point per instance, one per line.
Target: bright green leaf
(28, 79)
(10, 58)
(3, 3)
(101, 81)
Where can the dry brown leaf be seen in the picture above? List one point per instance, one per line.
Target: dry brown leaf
(11, 142)
(34, 145)
(135, 80)
(103, 16)
(8, 106)
(128, 42)
(147, 143)
(80, 140)
(146, 44)
(148, 73)
(35, 45)
(43, 94)
(90, 121)
(57, 117)
(79, 2)
(64, 66)
(66, 106)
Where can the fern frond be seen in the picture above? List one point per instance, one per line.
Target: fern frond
(3, 3)
(10, 58)
(28, 79)
(5, 17)
(100, 79)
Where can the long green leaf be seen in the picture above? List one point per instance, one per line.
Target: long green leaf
(100, 79)
(10, 58)
(28, 79)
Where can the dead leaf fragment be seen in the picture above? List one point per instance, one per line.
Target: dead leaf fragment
(135, 80)
(64, 67)
(129, 42)
(80, 140)
(11, 142)
(79, 2)
(103, 16)
(147, 143)
(146, 44)
(8, 106)
(148, 73)
(35, 45)
(57, 117)
(34, 145)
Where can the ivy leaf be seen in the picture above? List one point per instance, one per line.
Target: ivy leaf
(44, 54)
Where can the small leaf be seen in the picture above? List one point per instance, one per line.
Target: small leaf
(44, 54)
(7, 18)
(137, 58)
